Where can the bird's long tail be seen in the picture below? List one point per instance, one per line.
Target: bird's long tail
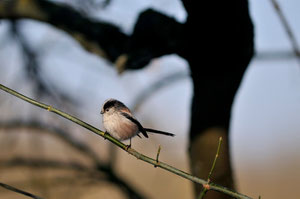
(158, 132)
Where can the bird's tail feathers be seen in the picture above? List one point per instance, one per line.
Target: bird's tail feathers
(159, 132)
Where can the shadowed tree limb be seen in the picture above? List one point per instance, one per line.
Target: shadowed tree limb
(11, 188)
(100, 38)
(206, 187)
(99, 166)
(33, 68)
(155, 87)
(93, 172)
(154, 34)
(287, 29)
(39, 127)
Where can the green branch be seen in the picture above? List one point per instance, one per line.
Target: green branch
(131, 151)
(215, 160)
(207, 186)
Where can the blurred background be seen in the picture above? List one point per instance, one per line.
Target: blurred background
(54, 158)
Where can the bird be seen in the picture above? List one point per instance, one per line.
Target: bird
(120, 123)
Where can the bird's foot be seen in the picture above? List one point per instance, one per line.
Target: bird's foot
(128, 147)
(105, 134)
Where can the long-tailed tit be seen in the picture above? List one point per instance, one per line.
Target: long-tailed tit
(119, 122)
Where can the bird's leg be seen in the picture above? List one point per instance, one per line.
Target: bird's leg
(128, 146)
(105, 133)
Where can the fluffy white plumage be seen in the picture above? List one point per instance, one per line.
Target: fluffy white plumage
(119, 122)
(119, 126)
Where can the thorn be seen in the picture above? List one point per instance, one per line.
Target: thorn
(157, 156)
(215, 160)
(49, 108)
(127, 147)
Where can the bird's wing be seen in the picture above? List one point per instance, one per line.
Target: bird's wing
(141, 128)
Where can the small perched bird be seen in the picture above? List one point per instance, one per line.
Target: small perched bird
(119, 122)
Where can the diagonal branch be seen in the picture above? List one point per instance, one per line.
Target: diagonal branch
(11, 188)
(124, 147)
(155, 87)
(33, 68)
(163, 33)
(287, 28)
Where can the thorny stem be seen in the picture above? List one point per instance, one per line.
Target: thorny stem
(206, 187)
(123, 146)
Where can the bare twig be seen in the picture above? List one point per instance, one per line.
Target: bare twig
(33, 68)
(150, 90)
(11, 188)
(215, 160)
(206, 187)
(157, 155)
(123, 146)
(287, 28)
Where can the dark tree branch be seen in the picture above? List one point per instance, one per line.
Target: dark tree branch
(99, 166)
(156, 86)
(33, 68)
(93, 172)
(25, 193)
(39, 127)
(44, 163)
(100, 38)
(154, 34)
(287, 28)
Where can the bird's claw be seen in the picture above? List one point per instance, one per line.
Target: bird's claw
(105, 134)
(128, 147)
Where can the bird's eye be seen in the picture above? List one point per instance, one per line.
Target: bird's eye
(106, 110)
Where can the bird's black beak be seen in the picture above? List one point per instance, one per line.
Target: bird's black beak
(101, 112)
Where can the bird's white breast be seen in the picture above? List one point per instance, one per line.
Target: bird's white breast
(119, 126)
